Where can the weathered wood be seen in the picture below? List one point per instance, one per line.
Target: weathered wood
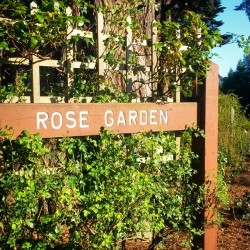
(154, 58)
(69, 57)
(82, 33)
(35, 80)
(15, 61)
(129, 50)
(100, 43)
(210, 155)
(57, 120)
(49, 63)
(78, 65)
(207, 149)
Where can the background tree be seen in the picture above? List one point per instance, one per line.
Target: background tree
(245, 5)
(238, 82)
(176, 9)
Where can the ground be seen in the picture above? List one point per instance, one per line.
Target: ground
(234, 233)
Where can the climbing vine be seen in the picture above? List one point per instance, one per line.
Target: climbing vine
(183, 49)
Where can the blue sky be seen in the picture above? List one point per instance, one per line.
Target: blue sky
(234, 22)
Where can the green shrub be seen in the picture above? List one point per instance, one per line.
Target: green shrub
(222, 183)
(242, 209)
(234, 137)
(91, 192)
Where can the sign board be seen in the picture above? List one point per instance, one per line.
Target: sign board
(83, 119)
(57, 120)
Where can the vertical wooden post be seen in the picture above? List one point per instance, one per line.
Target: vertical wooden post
(207, 148)
(100, 41)
(153, 58)
(129, 49)
(178, 99)
(69, 58)
(35, 80)
(177, 135)
(35, 98)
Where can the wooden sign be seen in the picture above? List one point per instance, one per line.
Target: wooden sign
(58, 120)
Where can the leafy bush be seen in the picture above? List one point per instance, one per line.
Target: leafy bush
(234, 139)
(243, 207)
(91, 192)
(222, 183)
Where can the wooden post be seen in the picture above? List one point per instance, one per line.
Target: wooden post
(154, 58)
(129, 49)
(35, 66)
(35, 80)
(100, 41)
(178, 99)
(177, 135)
(69, 58)
(207, 148)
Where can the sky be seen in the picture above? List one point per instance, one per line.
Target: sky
(234, 22)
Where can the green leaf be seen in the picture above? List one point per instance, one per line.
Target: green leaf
(33, 41)
(81, 21)
(40, 18)
(3, 45)
(26, 245)
(29, 223)
(45, 219)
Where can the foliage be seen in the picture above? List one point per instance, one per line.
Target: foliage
(242, 208)
(209, 10)
(44, 32)
(10, 92)
(36, 29)
(91, 192)
(245, 5)
(222, 183)
(234, 140)
(244, 42)
(238, 82)
(187, 55)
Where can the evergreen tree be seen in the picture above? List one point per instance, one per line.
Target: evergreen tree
(245, 5)
(208, 9)
(238, 82)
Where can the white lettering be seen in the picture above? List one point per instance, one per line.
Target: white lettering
(121, 118)
(41, 118)
(109, 122)
(132, 114)
(163, 117)
(53, 118)
(152, 117)
(83, 118)
(143, 117)
(71, 119)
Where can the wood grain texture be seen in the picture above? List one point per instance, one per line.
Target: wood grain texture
(57, 120)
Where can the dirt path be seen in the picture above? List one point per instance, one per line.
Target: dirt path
(234, 233)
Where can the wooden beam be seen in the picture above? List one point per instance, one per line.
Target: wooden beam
(35, 80)
(82, 119)
(207, 149)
